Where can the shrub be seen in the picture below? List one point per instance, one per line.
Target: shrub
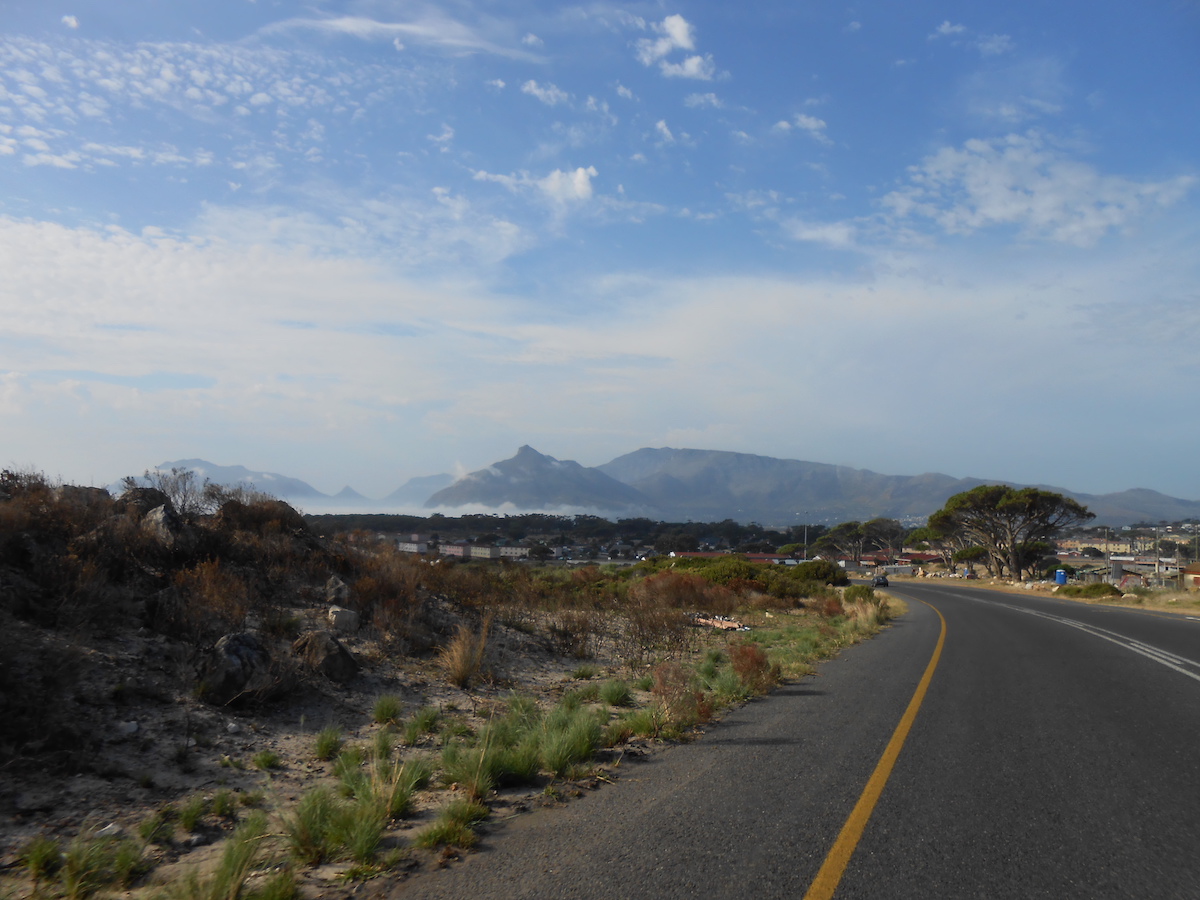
(208, 600)
(859, 592)
(749, 662)
(1097, 590)
(675, 689)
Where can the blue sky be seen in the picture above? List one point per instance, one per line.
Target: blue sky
(365, 240)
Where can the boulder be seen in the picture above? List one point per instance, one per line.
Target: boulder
(239, 666)
(336, 590)
(322, 652)
(140, 500)
(343, 620)
(163, 525)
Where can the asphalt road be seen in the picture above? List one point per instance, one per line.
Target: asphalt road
(1056, 753)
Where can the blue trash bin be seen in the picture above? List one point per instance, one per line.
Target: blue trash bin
(1060, 576)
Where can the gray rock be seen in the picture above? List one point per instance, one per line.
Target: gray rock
(336, 590)
(239, 665)
(343, 620)
(163, 525)
(322, 652)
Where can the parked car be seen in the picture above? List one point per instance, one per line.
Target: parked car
(880, 581)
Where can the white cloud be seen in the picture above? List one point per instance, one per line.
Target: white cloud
(994, 44)
(1026, 182)
(699, 100)
(664, 133)
(433, 29)
(701, 68)
(549, 94)
(810, 125)
(838, 235)
(676, 34)
(70, 21)
(569, 187)
(532, 40)
(947, 30)
(986, 44)
(560, 187)
(625, 92)
(496, 83)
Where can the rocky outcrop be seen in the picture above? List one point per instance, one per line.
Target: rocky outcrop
(240, 667)
(321, 652)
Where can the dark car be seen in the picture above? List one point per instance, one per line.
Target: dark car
(880, 581)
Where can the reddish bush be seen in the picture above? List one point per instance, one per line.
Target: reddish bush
(749, 661)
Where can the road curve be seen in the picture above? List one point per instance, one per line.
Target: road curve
(1056, 753)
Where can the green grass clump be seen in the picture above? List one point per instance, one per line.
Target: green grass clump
(453, 827)
(568, 737)
(92, 864)
(42, 857)
(383, 743)
(310, 830)
(192, 812)
(616, 693)
(424, 721)
(387, 709)
(243, 852)
(157, 828)
(266, 760)
(224, 804)
(328, 743)
(584, 672)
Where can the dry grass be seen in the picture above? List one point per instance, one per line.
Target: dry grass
(463, 658)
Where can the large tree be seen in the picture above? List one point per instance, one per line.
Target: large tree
(1004, 520)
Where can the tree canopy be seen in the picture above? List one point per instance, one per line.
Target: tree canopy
(1007, 522)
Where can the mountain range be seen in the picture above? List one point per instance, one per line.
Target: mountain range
(679, 485)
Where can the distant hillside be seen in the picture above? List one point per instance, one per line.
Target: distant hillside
(533, 481)
(276, 485)
(715, 484)
(680, 485)
(416, 491)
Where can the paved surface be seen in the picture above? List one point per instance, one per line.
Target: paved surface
(1057, 754)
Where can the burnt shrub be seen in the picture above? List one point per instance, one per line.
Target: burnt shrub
(204, 602)
(749, 662)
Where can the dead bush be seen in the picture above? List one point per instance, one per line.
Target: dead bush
(829, 605)
(651, 630)
(205, 602)
(749, 662)
(462, 659)
(675, 688)
(575, 632)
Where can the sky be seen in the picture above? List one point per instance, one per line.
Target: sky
(358, 241)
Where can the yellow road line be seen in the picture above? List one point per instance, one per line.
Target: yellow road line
(839, 855)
